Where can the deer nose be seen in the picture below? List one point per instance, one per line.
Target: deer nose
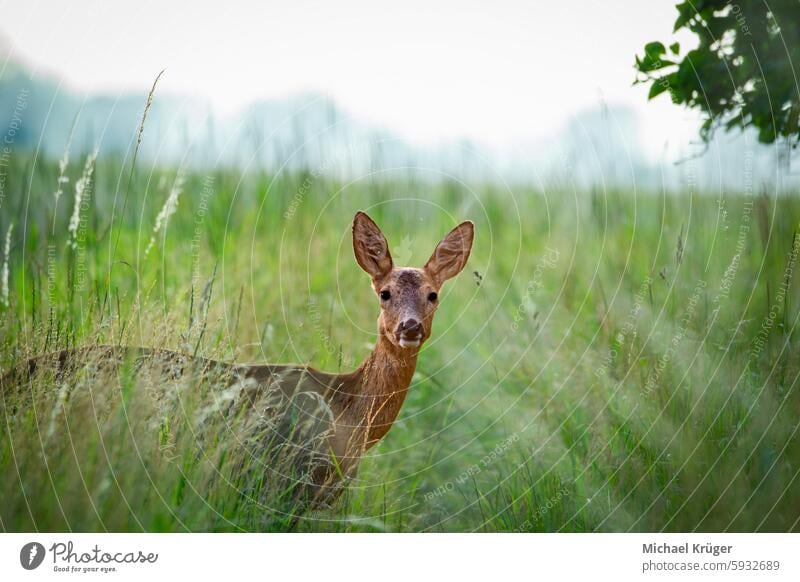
(410, 329)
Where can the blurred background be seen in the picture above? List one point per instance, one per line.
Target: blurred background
(528, 91)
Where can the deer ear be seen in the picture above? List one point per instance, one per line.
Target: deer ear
(370, 247)
(452, 253)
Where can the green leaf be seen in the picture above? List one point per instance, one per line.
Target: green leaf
(647, 64)
(653, 50)
(766, 134)
(675, 47)
(685, 13)
(658, 87)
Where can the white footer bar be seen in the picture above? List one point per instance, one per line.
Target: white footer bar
(388, 557)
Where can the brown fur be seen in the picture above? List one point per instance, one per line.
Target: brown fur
(364, 403)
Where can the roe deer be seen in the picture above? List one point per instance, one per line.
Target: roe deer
(360, 406)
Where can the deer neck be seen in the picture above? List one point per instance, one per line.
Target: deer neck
(382, 384)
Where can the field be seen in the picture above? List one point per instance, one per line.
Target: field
(608, 361)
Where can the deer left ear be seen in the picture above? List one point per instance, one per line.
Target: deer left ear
(370, 247)
(452, 253)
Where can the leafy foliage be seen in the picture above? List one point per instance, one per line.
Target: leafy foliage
(742, 72)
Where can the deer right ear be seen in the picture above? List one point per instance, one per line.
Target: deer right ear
(370, 247)
(452, 253)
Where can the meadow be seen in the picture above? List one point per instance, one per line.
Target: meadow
(610, 360)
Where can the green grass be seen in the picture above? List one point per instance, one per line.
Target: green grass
(629, 360)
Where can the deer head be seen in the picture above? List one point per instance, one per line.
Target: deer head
(408, 296)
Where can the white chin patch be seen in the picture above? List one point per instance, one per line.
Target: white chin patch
(404, 343)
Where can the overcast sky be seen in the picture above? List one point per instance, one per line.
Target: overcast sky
(494, 71)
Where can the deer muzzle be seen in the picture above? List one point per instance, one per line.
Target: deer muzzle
(410, 333)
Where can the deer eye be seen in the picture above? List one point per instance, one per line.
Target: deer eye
(385, 295)
(432, 296)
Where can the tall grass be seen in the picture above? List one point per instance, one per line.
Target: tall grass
(612, 360)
